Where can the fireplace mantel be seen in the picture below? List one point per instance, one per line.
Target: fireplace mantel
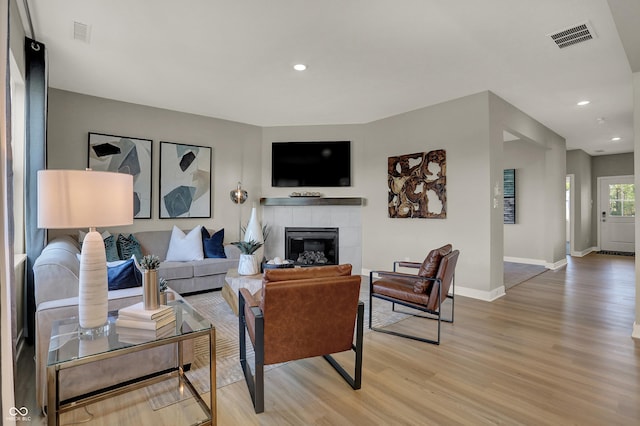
(312, 201)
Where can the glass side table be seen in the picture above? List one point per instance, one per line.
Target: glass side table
(68, 349)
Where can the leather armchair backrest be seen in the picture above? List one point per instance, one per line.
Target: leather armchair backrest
(445, 273)
(310, 316)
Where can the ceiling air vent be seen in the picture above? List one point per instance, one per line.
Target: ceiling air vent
(576, 34)
(81, 31)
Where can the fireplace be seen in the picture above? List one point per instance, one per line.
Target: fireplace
(311, 246)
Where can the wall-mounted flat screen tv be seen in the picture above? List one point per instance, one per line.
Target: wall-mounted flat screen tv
(311, 164)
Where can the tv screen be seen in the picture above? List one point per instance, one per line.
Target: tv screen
(311, 164)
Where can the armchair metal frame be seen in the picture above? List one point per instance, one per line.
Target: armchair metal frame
(435, 314)
(256, 383)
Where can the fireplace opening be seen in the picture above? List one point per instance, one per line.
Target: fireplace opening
(311, 246)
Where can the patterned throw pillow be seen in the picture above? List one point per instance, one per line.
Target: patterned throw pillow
(128, 246)
(212, 245)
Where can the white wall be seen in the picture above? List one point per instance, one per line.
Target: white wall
(520, 239)
(236, 150)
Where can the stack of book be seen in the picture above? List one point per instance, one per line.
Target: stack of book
(137, 325)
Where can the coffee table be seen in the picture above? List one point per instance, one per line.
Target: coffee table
(235, 282)
(68, 349)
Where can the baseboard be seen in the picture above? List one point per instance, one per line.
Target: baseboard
(584, 252)
(538, 262)
(556, 265)
(487, 296)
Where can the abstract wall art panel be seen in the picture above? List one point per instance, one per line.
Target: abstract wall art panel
(185, 181)
(510, 196)
(125, 155)
(417, 185)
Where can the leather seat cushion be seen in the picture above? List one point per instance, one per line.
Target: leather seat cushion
(400, 289)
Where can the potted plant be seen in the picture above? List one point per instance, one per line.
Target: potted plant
(150, 294)
(162, 288)
(248, 264)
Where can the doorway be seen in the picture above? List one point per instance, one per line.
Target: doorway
(616, 214)
(569, 213)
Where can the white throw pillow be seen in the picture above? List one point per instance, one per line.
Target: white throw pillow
(184, 248)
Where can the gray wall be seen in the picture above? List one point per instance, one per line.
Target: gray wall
(16, 36)
(520, 239)
(579, 165)
(236, 150)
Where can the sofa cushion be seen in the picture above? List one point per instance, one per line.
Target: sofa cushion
(185, 248)
(212, 244)
(125, 275)
(175, 270)
(213, 266)
(128, 246)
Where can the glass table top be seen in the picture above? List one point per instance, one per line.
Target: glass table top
(68, 343)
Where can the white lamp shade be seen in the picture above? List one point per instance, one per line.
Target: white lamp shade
(84, 199)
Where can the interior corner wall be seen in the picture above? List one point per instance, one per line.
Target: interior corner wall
(235, 155)
(579, 165)
(461, 128)
(504, 116)
(521, 238)
(603, 166)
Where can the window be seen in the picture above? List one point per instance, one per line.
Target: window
(622, 200)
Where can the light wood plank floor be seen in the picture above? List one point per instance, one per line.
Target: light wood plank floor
(556, 350)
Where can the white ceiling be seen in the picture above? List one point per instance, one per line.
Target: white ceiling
(367, 59)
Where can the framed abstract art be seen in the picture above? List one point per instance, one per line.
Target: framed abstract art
(124, 154)
(185, 181)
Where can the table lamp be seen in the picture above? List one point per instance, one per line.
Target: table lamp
(70, 199)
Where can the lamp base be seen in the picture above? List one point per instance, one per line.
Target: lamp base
(92, 293)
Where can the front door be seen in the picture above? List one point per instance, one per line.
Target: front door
(617, 213)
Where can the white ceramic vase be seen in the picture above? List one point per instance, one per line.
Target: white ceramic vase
(254, 232)
(248, 264)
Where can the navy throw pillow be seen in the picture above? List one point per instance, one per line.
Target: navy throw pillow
(212, 245)
(125, 275)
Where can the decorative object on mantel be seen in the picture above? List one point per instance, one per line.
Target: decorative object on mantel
(150, 292)
(248, 264)
(69, 199)
(239, 196)
(305, 194)
(253, 232)
(417, 185)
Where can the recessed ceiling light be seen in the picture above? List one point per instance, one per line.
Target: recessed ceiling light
(616, 139)
(583, 103)
(299, 67)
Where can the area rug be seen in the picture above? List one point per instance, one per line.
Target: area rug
(617, 253)
(212, 306)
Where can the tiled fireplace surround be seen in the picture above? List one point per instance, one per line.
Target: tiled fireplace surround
(346, 218)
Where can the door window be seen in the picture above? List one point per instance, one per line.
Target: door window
(622, 200)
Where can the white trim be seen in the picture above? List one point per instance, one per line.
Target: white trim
(584, 252)
(525, 260)
(487, 296)
(556, 265)
(636, 330)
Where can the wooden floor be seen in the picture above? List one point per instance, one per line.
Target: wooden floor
(556, 350)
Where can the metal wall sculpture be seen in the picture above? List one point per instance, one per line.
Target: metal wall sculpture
(185, 181)
(122, 154)
(417, 185)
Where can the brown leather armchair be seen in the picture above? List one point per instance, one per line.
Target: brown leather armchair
(425, 291)
(302, 313)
